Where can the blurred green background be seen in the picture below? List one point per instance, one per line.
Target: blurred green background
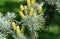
(9, 5)
(52, 32)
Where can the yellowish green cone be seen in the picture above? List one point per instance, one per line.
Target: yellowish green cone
(21, 7)
(14, 26)
(22, 15)
(18, 32)
(39, 9)
(33, 2)
(31, 11)
(28, 2)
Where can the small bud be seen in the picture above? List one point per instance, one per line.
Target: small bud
(18, 32)
(31, 11)
(22, 29)
(14, 26)
(28, 2)
(33, 2)
(22, 15)
(25, 9)
(21, 7)
(39, 9)
(34, 14)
